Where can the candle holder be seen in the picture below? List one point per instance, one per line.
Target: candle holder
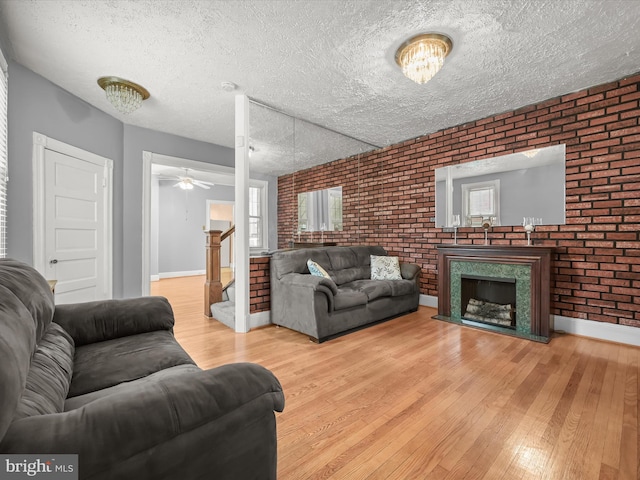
(529, 224)
(486, 224)
(455, 223)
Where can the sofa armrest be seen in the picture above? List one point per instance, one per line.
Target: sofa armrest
(102, 320)
(310, 281)
(409, 271)
(117, 428)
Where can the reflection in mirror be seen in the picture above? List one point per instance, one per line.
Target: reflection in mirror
(282, 144)
(503, 190)
(320, 210)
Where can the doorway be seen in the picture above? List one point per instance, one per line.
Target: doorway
(215, 174)
(220, 217)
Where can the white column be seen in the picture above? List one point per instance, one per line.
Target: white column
(242, 214)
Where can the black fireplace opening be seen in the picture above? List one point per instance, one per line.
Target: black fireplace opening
(489, 300)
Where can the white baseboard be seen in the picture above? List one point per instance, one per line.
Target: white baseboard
(428, 301)
(611, 332)
(577, 326)
(155, 278)
(182, 274)
(260, 319)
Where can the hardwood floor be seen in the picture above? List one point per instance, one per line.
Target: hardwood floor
(417, 398)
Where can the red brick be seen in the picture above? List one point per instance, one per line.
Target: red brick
(598, 248)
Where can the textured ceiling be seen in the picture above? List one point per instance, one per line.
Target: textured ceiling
(328, 62)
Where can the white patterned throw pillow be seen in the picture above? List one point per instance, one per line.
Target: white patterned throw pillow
(316, 269)
(385, 268)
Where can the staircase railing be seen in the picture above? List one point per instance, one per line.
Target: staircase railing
(213, 284)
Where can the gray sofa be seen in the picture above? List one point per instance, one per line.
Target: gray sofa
(108, 381)
(325, 308)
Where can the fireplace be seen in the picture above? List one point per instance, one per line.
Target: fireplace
(490, 300)
(503, 288)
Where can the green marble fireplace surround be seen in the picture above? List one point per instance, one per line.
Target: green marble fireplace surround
(528, 266)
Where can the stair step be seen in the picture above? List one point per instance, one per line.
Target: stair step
(225, 313)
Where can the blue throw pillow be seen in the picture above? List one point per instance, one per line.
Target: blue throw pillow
(316, 269)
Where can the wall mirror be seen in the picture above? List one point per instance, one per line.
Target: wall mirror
(503, 189)
(320, 210)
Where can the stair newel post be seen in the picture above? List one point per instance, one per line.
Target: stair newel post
(213, 285)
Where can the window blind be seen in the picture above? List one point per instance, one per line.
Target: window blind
(4, 160)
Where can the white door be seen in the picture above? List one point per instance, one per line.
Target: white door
(75, 232)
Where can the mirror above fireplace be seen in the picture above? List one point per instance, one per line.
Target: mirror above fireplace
(503, 189)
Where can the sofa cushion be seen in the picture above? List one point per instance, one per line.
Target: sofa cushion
(128, 387)
(363, 253)
(347, 265)
(49, 376)
(295, 261)
(341, 258)
(32, 290)
(17, 342)
(402, 287)
(372, 288)
(342, 277)
(104, 364)
(347, 298)
(385, 268)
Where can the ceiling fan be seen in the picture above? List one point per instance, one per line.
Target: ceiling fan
(187, 183)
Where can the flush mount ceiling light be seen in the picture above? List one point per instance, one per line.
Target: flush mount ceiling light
(422, 56)
(126, 96)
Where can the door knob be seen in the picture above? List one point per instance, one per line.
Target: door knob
(53, 262)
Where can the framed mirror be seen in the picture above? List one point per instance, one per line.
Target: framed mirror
(503, 189)
(320, 210)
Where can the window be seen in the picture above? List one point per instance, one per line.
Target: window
(303, 221)
(335, 209)
(481, 200)
(4, 161)
(258, 239)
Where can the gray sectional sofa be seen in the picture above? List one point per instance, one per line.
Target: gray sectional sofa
(324, 308)
(108, 381)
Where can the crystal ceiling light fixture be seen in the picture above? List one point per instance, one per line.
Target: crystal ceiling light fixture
(126, 96)
(422, 56)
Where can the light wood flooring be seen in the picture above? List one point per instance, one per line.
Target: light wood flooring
(417, 398)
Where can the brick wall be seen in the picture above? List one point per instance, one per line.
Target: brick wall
(259, 285)
(389, 196)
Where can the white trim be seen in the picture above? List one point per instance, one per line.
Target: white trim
(189, 273)
(599, 330)
(263, 187)
(207, 220)
(169, 161)
(4, 66)
(242, 250)
(260, 319)
(428, 301)
(40, 143)
(154, 278)
(577, 326)
(147, 159)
